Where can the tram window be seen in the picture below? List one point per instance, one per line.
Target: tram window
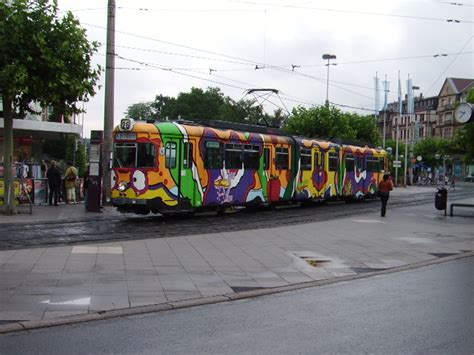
(134, 155)
(213, 155)
(233, 156)
(170, 155)
(251, 158)
(188, 155)
(146, 155)
(349, 162)
(125, 155)
(381, 164)
(360, 160)
(306, 159)
(282, 158)
(333, 161)
(372, 164)
(266, 159)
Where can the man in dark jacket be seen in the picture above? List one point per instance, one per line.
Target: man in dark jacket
(54, 181)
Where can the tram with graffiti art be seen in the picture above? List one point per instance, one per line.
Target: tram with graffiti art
(185, 166)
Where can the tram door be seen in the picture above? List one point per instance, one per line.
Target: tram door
(173, 158)
(188, 185)
(269, 168)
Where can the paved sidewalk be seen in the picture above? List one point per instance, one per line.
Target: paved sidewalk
(45, 283)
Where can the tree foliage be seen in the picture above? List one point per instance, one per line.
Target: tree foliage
(465, 136)
(330, 122)
(430, 147)
(45, 59)
(199, 104)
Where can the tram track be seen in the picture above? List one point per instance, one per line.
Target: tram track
(126, 228)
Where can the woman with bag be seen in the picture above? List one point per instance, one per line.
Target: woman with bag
(385, 186)
(70, 176)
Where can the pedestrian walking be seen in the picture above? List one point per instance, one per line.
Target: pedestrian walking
(385, 186)
(70, 177)
(54, 182)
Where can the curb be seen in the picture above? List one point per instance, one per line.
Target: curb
(124, 312)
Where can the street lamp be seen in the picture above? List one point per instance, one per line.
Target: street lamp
(328, 57)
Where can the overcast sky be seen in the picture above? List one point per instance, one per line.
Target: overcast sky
(188, 38)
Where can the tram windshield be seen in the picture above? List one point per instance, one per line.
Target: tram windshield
(134, 155)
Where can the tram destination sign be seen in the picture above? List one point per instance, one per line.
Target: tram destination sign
(125, 136)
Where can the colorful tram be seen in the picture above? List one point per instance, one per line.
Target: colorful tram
(183, 166)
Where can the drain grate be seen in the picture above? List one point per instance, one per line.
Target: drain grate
(238, 289)
(314, 262)
(442, 255)
(363, 270)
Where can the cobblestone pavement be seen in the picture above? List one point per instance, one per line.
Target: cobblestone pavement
(49, 282)
(66, 225)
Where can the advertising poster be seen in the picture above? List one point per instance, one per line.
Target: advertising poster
(26, 192)
(40, 191)
(16, 186)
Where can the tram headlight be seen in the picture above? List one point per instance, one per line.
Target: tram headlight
(122, 186)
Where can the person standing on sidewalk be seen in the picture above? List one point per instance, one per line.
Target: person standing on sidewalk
(70, 177)
(385, 186)
(54, 181)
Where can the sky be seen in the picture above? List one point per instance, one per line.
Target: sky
(169, 47)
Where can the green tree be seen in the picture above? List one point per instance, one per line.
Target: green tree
(365, 127)
(44, 58)
(163, 107)
(320, 122)
(330, 123)
(80, 161)
(141, 110)
(465, 136)
(429, 147)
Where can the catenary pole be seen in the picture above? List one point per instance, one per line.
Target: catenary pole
(109, 101)
(396, 126)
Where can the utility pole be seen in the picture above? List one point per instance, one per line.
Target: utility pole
(109, 101)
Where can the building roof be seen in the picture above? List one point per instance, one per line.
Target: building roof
(460, 84)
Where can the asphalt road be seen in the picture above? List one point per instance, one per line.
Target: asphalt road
(425, 310)
(141, 227)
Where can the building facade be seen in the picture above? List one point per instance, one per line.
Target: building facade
(433, 117)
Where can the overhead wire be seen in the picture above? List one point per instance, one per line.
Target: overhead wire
(231, 57)
(357, 12)
(449, 64)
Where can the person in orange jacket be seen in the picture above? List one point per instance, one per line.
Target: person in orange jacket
(385, 186)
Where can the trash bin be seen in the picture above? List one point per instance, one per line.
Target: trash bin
(441, 198)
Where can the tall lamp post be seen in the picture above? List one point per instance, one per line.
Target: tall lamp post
(328, 57)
